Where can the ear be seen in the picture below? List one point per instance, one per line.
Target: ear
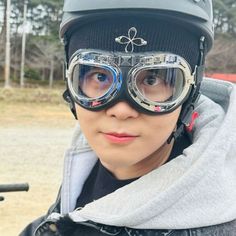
(68, 99)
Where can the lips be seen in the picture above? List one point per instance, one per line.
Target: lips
(120, 137)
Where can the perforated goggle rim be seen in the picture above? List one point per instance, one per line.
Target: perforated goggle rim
(163, 107)
(142, 101)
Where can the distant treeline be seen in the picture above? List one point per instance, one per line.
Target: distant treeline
(44, 52)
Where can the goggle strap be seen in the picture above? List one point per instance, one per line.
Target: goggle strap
(67, 98)
(202, 48)
(66, 95)
(183, 122)
(188, 107)
(177, 133)
(65, 42)
(199, 73)
(64, 70)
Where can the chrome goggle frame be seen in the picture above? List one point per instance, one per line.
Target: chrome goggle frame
(126, 88)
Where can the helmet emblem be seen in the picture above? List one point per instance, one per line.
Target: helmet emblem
(131, 40)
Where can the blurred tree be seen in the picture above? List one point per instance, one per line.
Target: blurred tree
(47, 57)
(222, 58)
(44, 18)
(225, 16)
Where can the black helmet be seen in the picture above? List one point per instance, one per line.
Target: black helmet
(195, 14)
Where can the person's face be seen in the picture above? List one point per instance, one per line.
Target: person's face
(127, 142)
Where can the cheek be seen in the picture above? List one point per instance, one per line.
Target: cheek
(158, 130)
(162, 126)
(154, 132)
(87, 120)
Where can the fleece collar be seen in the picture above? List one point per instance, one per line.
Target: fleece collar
(196, 189)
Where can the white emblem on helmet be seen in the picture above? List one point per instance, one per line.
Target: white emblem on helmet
(131, 40)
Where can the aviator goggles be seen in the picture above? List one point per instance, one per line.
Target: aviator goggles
(152, 83)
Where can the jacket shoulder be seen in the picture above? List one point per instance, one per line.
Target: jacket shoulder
(225, 229)
(31, 228)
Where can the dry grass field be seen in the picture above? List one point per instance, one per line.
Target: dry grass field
(35, 129)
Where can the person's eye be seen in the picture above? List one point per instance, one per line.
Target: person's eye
(151, 81)
(101, 77)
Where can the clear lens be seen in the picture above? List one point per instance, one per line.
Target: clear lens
(91, 81)
(160, 85)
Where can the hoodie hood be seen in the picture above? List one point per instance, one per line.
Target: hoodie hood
(196, 189)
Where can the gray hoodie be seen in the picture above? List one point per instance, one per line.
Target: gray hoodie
(196, 189)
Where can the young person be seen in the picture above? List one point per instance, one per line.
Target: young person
(150, 156)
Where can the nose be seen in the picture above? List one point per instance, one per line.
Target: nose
(122, 111)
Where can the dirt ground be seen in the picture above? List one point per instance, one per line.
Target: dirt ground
(33, 138)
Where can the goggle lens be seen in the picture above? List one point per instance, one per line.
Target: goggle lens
(160, 85)
(91, 81)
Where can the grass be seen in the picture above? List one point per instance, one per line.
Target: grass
(31, 95)
(33, 106)
(35, 127)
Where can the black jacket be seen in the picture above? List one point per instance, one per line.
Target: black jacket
(44, 227)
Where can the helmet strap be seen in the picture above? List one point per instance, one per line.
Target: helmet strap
(67, 98)
(186, 116)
